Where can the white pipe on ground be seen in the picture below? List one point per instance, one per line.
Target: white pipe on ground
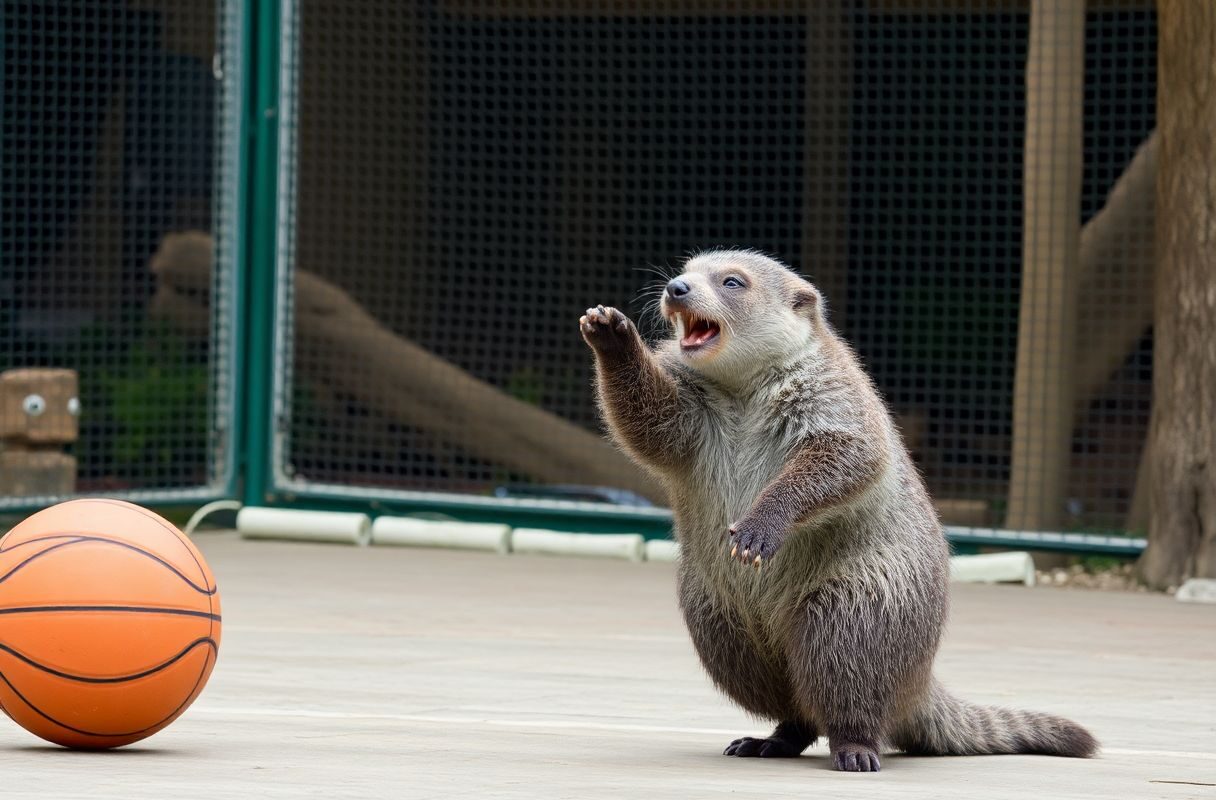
(662, 550)
(1016, 567)
(630, 546)
(198, 516)
(408, 532)
(304, 526)
(1197, 590)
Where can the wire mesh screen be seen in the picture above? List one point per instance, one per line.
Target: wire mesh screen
(117, 150)
(971, 187)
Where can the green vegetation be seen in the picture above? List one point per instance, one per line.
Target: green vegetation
(157, 399)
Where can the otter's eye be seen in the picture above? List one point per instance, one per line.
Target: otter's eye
(733, 282)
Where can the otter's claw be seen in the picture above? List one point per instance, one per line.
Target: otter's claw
(607, 330)
(851, 757)
(752, 543)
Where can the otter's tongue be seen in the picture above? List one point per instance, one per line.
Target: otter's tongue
(700, 333)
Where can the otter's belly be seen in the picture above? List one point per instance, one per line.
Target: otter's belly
(762, 599)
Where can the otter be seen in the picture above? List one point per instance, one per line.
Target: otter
(813, 571)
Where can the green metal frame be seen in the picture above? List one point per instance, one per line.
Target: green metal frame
(973, 540)
(264, 482)
(267, 113)
(259, 293)
(557, 515)
(260, 251)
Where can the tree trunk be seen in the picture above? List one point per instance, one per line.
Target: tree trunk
(1182, 447)
(1043, 397)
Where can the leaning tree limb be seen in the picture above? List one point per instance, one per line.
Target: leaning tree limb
(1115, 296)
(350, 353)
(1115, 299)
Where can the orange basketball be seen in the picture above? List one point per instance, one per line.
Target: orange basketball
(109, 623)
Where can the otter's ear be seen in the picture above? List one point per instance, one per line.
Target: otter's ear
(807, 301)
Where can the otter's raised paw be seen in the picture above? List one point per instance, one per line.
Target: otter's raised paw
(751, 747)
(753, 543)
(607, 330)
(852, 757)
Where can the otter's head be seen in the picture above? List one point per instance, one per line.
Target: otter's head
(736, 311)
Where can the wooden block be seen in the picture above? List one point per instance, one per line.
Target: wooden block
(36, 473)
(39, 405)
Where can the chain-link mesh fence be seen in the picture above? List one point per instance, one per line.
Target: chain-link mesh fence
(970, 184)
(119, 162)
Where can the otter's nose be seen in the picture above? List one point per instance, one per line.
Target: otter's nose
(677, 288)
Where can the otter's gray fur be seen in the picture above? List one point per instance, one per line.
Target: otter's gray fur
(813, 570)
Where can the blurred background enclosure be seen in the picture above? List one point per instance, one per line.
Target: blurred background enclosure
(339, 248)
(117, 131)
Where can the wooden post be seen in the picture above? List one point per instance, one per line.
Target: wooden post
(1043, 385)
(38, 414)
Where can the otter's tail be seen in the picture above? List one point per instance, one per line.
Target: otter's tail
(946, 726)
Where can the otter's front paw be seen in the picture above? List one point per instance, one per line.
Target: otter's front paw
(607, 331)
(753, 542)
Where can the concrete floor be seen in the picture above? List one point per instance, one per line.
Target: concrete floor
(408, 673)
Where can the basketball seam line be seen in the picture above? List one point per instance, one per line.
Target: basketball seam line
(207, 640)
(126, 609)
(181, 537)
(153, 727)
(77, 538)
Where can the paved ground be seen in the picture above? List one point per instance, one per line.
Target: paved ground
(406, 673)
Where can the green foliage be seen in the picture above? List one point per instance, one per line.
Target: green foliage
(526, 384)
(1097, 564)
(157, 399)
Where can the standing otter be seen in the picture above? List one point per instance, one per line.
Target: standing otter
(813, 571)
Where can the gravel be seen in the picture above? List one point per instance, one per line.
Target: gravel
(1121, 578)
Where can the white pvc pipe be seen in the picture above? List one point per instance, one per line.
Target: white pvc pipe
(630, 546)
(1017, 567)
(662, 550)
(407, 532)
(210, 508)
(304, 526)
(1197, 590)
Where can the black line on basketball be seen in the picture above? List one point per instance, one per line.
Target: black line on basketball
(162, 721)
(181, 537)
(78, 538)
(207, 640)
(10, 548)
(185, 612)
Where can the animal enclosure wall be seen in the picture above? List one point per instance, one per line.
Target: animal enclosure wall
(411, 203)
(970, 183)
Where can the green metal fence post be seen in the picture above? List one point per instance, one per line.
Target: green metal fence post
(259, 254)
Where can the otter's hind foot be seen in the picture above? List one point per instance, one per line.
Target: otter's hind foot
(788, 741)
(750, 746)
(854, 757)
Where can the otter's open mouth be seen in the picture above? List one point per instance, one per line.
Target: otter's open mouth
(698, 332)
